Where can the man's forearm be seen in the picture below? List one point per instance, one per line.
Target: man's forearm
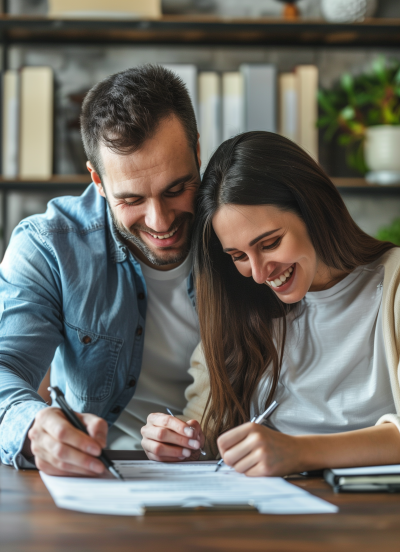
(364, 447)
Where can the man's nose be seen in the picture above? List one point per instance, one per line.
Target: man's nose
(158, 217)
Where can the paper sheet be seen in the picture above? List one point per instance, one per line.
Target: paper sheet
(189, 484)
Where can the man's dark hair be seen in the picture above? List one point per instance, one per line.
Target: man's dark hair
(125, 109)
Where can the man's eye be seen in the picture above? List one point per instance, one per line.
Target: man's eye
(240, 258)
(135, 202)
(171, 193)
(273, 245)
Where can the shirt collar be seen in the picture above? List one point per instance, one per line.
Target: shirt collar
(117, 248)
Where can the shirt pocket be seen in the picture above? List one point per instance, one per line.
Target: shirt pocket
(90, 362)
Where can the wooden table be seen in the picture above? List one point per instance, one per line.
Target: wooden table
(30, 521)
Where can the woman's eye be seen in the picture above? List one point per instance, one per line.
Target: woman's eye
(240, 258)
(273, 245)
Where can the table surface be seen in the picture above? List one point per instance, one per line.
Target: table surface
(30, 521)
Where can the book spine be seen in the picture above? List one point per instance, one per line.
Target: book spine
(209, 114)
(36, 127)
(232, 104)
(260, 97)
(307, 86)
(288, 106)
(10, 136)
(105, 8)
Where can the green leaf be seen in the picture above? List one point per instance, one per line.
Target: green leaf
(344, 140)
(348, 113)
(347, 83)
(390, 233)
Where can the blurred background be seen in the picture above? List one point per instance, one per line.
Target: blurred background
(325, 73)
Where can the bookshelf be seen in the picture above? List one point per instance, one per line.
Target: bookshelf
(195, 31)
(200, 30)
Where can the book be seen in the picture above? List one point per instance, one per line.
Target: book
(307, 89)
(209, 114)
(364, 479)
(288, 106)
(36, 123)
(10, 130)
(105, 8)
(232, 104)
(188, 74)
(260, 96)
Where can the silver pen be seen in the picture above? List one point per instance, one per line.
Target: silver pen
(256, 420)
(203, 452)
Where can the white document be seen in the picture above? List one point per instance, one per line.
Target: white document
(368, 470)
(185, 484)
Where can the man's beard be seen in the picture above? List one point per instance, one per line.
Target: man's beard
(133, 236)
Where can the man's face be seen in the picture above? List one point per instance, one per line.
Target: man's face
(151, 194)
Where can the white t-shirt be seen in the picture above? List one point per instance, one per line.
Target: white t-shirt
(334, 375)
(171, 335)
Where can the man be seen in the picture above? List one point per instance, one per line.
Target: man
(100, 287)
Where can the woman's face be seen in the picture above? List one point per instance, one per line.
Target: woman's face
(271, 246)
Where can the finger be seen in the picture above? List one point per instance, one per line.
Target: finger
(246, 463)
(233, 436)
(62, 431)
(199, 435)
(164, 450)
(45, 467)
(151, 456)
(61, 455)
(96, 427)
(175, 424)
(165, 435)
(235, 454)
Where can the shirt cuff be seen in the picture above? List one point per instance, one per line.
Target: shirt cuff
(14, 428)
(389, 418)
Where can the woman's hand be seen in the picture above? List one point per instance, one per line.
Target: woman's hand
(255, 450)
(168, 439)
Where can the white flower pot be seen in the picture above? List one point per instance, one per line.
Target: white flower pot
(382, 154)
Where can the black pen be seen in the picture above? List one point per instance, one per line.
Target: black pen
(257, 420)
(58, 396)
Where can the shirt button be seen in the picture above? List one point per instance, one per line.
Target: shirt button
(132, 382)
(116, 410)
(87, 339)
(139, 330)
(141, 295)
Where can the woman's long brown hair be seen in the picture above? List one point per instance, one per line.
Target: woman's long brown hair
(243, 324)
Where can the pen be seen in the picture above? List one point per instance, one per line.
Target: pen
(58, 396)
(203, 452)
(256, 420)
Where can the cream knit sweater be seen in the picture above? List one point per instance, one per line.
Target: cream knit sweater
(197, 393)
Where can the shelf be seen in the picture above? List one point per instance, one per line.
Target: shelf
(58, 183)
(65, 183)
(200, 30)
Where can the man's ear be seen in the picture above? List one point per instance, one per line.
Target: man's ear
(95, 178)
(198, 150)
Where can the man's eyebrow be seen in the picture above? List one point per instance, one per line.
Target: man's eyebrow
(253, 242)
(180, 180)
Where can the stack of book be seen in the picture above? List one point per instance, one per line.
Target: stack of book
(253, 98)
(27, 126)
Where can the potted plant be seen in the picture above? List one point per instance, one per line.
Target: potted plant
(363, 113)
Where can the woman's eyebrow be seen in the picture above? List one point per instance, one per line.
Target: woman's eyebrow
(258, 238)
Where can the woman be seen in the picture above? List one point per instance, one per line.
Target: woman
(296, 303)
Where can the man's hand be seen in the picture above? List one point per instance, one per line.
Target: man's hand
(60, 449)
(168, 439)
(256, 450)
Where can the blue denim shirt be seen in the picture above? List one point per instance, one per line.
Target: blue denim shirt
(73, 296)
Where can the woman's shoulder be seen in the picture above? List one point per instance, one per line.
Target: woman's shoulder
(391, 261)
